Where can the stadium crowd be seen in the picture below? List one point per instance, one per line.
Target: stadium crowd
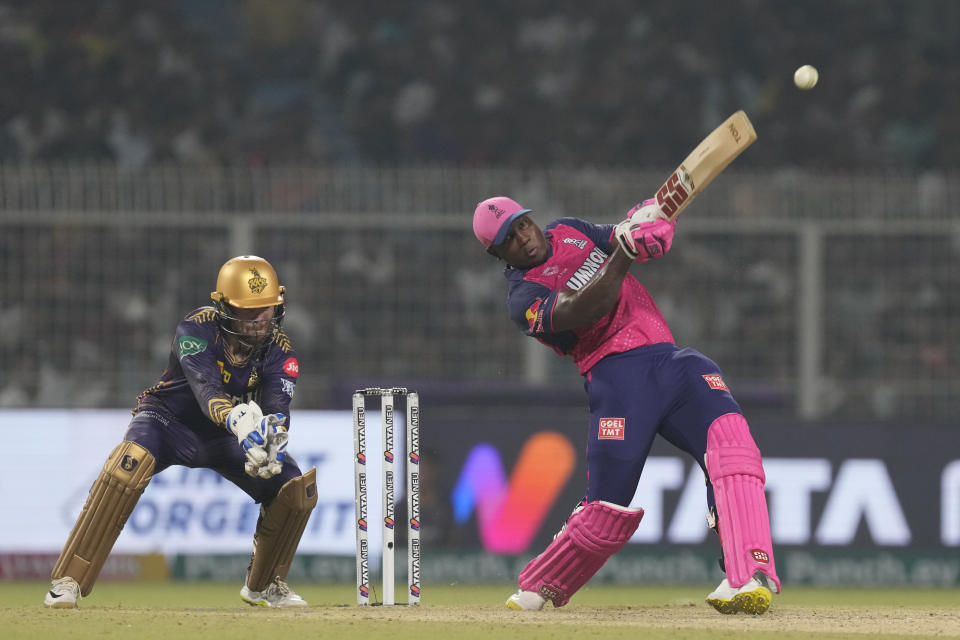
(532, 83)
(527, 83)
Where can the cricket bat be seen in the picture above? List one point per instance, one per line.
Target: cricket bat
(704, 163)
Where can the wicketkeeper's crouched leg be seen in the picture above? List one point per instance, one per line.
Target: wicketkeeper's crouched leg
(279, 529)
(112, 498)
(736, 471)
(592, 534)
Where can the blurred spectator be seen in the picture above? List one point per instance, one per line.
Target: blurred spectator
(520, 84)
(509, 83)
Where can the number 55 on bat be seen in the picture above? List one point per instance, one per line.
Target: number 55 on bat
(704, 163)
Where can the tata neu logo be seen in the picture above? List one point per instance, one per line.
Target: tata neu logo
(509, 514)
(811, 501)
(611, 429)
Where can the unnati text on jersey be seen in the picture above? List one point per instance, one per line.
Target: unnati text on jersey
(590, 266)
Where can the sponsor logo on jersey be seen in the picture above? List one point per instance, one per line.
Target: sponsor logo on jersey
(582, 244)
(716, 382)
(590, 266)
(291, 367)
(287, 386)
(257, 282)
(188, 346)
(226, 375)
(552, 270)
(246, 398)
(534, 316)
(612, 428)
(760, 556)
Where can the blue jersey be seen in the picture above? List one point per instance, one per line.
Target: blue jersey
(201, 384)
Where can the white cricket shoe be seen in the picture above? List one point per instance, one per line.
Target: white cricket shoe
(63, 594)
(526, 601)
(277, 594)
(721, 598)
(753, 597)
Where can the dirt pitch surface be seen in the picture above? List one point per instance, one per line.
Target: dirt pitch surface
(213, 611)
(817, 621)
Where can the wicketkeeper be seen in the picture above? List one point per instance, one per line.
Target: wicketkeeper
(569, 287)
(221, 403)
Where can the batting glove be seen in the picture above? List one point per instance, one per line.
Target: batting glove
(646, 211)
(643, 241)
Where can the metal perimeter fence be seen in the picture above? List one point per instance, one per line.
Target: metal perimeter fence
(820, 295)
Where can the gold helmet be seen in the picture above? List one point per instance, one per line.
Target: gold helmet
(247, 282)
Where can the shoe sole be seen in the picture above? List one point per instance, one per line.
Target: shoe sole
(61, 605)
(725, 607)
(754, 602)
(255, 603)
(264, 603)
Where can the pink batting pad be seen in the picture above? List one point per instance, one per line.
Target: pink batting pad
(590, 537)
(736, 470)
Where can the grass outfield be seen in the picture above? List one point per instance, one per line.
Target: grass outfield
(168, 610)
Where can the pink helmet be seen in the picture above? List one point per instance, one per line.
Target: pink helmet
(492, 219)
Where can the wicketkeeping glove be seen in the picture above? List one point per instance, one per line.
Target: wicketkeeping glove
(245, 421)
(277, 438)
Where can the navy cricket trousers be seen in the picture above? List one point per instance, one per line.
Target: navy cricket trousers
(659, 389)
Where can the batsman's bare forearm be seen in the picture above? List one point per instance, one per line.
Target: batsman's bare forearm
(588, 304)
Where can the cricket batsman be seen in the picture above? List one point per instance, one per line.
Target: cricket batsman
(222, 403)
(569, 287)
